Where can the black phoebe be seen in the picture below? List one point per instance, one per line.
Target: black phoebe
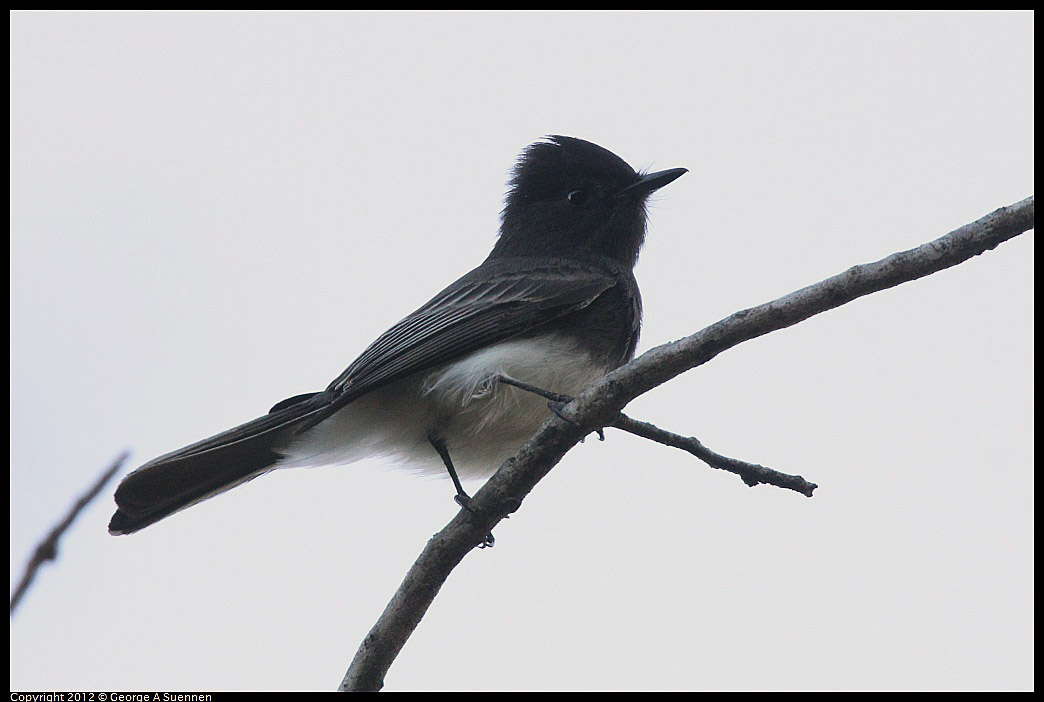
(554, 306)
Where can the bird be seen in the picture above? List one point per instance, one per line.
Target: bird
(461, 383)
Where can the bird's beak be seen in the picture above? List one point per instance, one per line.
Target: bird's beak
(652, 181)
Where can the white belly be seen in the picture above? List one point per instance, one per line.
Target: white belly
(482, 422)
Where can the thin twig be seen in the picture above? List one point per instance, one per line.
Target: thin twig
(751, 473)
(600, 404)
(47, 549)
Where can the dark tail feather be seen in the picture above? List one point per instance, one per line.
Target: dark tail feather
(192, 474)
(157, 490)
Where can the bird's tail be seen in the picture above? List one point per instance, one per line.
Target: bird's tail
(189, 475)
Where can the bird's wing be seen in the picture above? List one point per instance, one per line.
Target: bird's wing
(490, 304)
(469, 315)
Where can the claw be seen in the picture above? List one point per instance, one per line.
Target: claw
(557, 407)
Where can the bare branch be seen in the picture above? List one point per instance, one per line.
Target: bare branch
(751, 473)
(600, 405)
(47, 549)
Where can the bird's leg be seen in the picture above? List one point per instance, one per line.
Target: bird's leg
(546, 394)
(557, 400)
(461, 498)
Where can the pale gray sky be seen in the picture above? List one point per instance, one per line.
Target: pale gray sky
(205, 208)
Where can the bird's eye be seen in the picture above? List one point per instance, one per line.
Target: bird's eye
(577, 197)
